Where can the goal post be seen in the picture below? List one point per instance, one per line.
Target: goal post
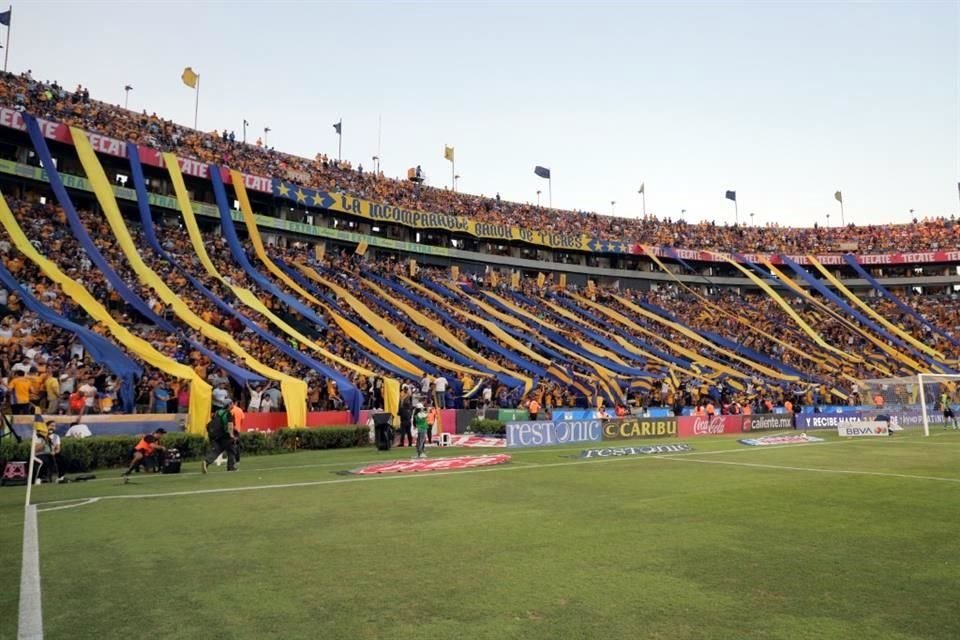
(919, 400)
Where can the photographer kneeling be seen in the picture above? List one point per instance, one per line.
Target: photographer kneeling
(148, 452)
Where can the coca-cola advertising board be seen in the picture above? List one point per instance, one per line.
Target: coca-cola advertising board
(689, 426)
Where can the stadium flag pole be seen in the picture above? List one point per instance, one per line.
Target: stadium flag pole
(196, 102)
(550, 190)
(6, 47)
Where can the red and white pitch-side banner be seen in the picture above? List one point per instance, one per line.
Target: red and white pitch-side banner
(833, 259)
(118, 148)
(688, 426)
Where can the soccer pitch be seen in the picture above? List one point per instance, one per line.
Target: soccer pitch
(843, 539)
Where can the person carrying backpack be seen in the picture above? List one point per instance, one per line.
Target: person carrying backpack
(222, 438)
(420, 421)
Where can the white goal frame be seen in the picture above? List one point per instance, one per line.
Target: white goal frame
(923, 396)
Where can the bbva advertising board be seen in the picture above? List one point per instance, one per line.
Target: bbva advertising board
(863, 429)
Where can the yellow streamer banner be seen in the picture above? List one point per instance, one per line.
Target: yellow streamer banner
(676, 348)
(806, 328)
(849, 295)
(200, 391)
(294, 391)
(386, 329)
(808, 297)
(501, 335)
(391, 398)
(711, 307)
(592, 348)
(361, 337)
(245, 296)
(437, 329)
(254, 233)
(767, 371)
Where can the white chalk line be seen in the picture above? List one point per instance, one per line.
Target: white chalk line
(756, 465)
(81, 502)
(30, 616)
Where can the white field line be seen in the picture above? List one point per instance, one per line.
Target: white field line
(436, 474)
(80, 503)
(778, 467)
(30, 620)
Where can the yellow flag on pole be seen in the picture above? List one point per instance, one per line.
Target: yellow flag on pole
(563, 281)
(448, 153)
(319, 250)
(541, 280)
(413, 267)
(454, 272)
(361, 248)
(515, 280)
(190, 77)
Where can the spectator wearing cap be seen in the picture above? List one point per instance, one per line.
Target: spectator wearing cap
(220, 395)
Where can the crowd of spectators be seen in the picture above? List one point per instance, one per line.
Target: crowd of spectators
(59, 375)
(46, 366)
(51, 101)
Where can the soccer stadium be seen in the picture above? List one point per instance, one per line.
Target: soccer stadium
(250, 391)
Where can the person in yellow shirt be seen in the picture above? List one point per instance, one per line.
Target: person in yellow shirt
(52, 387)
(20, 387)
(37, 395)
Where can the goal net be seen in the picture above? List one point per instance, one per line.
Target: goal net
(925, 401)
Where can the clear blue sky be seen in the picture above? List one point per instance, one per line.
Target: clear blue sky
(784, 102)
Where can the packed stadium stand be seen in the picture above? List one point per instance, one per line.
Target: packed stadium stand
(151, 268)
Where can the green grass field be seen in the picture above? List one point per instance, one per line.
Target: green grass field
(846, 539)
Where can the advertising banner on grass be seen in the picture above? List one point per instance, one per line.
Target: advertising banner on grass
(544, 433)
(630, 428)
(768, 422)
(826, 420)
(709, 425)
(863, 429)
